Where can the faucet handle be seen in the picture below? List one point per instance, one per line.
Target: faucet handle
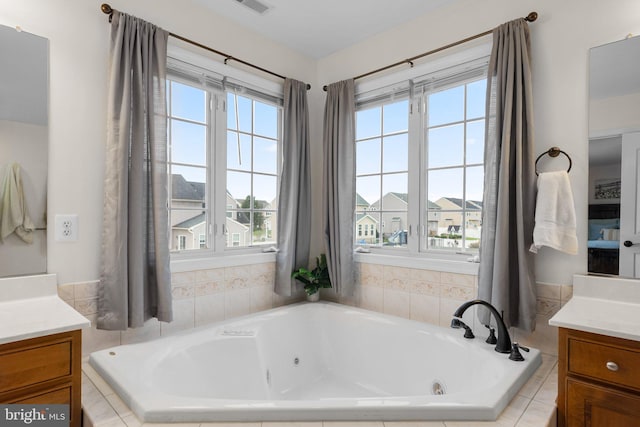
(515, 352)
(491, 339)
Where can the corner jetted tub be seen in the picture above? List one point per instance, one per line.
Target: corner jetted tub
(314, 361)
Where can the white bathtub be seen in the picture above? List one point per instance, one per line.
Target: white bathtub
(314, 361)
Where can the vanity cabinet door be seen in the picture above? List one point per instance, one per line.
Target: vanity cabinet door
(595, 406)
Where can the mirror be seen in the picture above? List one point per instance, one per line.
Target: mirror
(614, 160)
(24, 142)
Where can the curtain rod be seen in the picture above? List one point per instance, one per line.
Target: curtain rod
(108, 10)
(530, 18)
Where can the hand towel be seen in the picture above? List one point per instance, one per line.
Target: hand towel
(13, 209)
(555, 218)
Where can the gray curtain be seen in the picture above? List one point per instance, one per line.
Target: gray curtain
(294, 199)
(339, 184)
(506, 276)
(135, 282)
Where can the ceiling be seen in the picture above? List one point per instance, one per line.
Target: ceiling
(317, 28)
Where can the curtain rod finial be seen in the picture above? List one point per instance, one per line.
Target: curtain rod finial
(105, 8)
(531, 17)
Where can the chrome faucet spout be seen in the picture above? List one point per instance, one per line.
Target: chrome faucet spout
(504, 340)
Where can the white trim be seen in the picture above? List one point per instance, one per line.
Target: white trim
(443, 263)
(210, 64)
(226, 260)
(480, 50)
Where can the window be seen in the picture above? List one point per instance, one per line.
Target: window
(419, 162)
(382, 137)
(224, 163)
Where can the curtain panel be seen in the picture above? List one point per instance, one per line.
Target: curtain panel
(135, 281)
(506, 277)
(294, 197)
(339, 184)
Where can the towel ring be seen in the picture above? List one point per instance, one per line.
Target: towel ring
(553, 152)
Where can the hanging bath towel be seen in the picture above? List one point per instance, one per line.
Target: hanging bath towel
(13, 209)
(555, 225)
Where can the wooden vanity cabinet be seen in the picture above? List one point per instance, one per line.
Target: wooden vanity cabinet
(43, 370)
(598, 380)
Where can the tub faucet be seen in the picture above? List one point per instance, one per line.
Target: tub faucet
(504, 340)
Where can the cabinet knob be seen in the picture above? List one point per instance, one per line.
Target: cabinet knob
(612, 366)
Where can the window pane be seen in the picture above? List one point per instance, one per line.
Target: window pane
(188, 102)
(367, 231)
(368, 123)
(187, 226)
(238, 231)
(238, 151)
(394, 190)
(476, 94)
(270, 227)
(188, 186)
(265, 155)
(368, 156)
(446, 106)
(446, 146)
(188, 143)
(475, 142)
(266, 120)
(368, 187)
(245, 113)
(265, 188)
(396, 117)
(239, 185)
(445, 183)
(394, 230)
(396, 153)
(475, 184)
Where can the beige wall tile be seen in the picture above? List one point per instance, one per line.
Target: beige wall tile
(372, 298)
(181, 292)
(467, 280)
(461, 293)
(548, 291)
(237, 303)
(397, 303)
(544, 338)
(150, 331)
(94, 339)
(215, 275)
(183, 317)
(261, 298)
(86, 306)
(183, 278)
(425, 308)
(209, 309)
(86, 290)
(66, 292)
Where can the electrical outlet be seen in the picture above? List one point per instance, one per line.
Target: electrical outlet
(66, 228)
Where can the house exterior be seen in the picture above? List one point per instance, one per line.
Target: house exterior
(452, 218)
(367, 231)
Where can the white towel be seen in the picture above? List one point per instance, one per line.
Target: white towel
(13, 209)
(555, 214)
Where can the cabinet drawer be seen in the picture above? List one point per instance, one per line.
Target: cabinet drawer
(56, 397)
(34, 365)
(600, 361)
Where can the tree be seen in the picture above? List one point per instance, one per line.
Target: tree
(258, 217)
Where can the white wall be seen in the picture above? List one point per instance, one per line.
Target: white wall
(78, 34)
(560, 40)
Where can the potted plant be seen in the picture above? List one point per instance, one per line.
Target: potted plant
(315, 279)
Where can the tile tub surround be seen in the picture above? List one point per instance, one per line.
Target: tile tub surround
(533, 406)
(199, 297)
(206, 296)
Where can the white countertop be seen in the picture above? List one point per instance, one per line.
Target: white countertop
(30, 308)
(602, 305)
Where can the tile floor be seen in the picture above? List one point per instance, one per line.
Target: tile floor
(534, 406)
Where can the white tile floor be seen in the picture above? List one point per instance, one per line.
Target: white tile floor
(534, 406)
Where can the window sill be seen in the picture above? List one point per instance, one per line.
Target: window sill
(444, 263)
(183, 264)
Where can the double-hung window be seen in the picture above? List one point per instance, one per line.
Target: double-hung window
(419, 163)
(224, 142)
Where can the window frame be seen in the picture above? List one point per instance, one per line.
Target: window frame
(216, 165)
(417, 217)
